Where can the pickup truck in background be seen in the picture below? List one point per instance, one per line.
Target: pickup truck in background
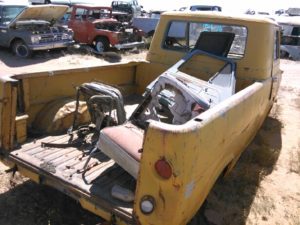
(26, 28)
(143, 142)
(202, 8)
(130, 7)
(95, 25)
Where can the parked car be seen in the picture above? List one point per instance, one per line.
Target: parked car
(290, 39)
(39, 1)
(201, 8)
(94, 25)
(131, 7)
(26, 28)
(147, 24)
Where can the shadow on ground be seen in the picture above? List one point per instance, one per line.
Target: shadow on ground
(10, 60)
(231, 199)
(31, 204)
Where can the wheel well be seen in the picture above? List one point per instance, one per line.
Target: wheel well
(103, 37)
(14, 41)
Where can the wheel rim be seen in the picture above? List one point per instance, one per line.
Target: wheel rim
(99, 46)
(22, 51)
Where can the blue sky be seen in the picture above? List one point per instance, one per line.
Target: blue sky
(228, 5)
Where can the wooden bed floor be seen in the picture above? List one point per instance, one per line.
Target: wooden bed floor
(67, 164)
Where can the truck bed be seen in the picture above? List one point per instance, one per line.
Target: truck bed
(65, 165)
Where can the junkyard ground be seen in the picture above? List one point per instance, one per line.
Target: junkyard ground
(264, 187)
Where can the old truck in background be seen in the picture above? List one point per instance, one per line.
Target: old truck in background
(143, 142)
(95, 25)
(26, 29)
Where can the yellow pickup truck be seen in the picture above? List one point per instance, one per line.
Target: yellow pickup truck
(144, 142)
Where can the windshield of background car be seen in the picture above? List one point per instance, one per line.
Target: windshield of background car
(9, 13)
(182, 36)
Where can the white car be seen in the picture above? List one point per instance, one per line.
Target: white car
(290, 40)
(40, 1)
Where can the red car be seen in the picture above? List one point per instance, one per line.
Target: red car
(95, 25)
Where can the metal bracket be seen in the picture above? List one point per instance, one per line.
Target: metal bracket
(12, 170)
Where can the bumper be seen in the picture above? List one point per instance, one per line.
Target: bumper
(128, 45)
(46, 46)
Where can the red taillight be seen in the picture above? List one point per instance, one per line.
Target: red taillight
(163, 169)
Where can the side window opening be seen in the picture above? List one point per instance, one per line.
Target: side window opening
(296, 31)
(80, 14)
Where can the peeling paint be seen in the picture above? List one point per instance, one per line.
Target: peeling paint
(189, 189)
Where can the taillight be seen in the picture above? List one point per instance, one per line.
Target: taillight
(163, 168)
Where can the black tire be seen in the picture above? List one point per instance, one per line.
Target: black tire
(284, 54)
(101, 44)
(21, 49)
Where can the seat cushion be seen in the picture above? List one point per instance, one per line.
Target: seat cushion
(123, 144)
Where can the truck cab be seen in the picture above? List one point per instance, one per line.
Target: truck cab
(143, 142)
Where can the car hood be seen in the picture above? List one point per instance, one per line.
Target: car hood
(50, 13)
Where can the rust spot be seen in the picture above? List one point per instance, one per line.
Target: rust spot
(177, 186)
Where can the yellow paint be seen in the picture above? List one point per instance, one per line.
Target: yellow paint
(21, 128)
(199, 150)
(86, 204)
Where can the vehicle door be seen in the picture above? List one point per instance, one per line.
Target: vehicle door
(7, 14)
(79, 24)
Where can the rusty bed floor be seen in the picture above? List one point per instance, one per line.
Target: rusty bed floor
(67, 164)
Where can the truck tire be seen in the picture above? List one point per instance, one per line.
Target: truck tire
(101, 44)
(284, 54)
(21, 49)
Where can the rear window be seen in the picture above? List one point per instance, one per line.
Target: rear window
(182, 36)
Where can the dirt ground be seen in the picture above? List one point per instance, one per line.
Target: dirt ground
(61, 59)
(264, 187)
